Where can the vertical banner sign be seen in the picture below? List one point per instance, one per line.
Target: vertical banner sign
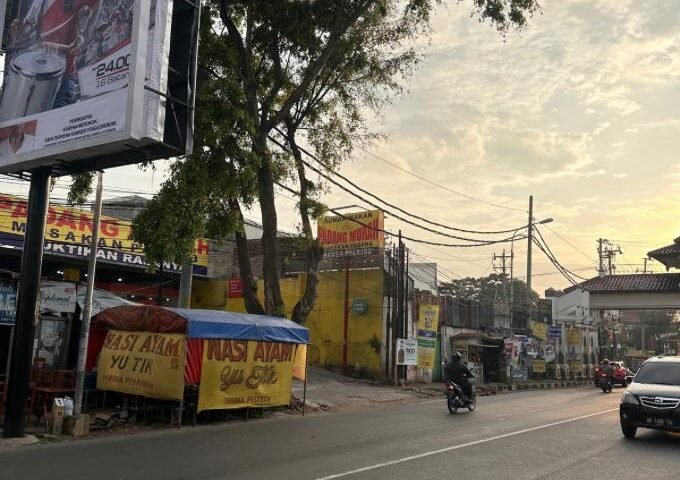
(143, 363)
(407, 351)
(539, 366)
(300, 365)
(240, 373)
(428, 322)
(574, 337)
(8, 303)
(540, 330)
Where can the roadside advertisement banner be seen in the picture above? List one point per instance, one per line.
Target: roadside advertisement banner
(68, 232)
(57, 297)
(101, 300)
(69, 68)
(300, 364)
(407, 351)
(352, 234)
(8, 303)
(239, 373)
(575, 366)
(540, 330)
(539, 366)
(555, 331)
(428, 323)
(143, 363)
(574, 337)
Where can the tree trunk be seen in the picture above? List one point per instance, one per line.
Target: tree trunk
(314, 252)
(273, 300)
(252, 303)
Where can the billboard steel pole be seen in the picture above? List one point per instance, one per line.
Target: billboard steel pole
(27, 304)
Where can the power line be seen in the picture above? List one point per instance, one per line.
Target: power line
(571, 244)
(404, 237)
(477, 242)
(438, 185)
(391, 205)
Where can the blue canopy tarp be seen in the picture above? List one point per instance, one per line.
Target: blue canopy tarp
(203, 323)
(241, 326)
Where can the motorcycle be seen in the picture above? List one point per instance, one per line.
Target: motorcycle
(605, 382)
(455, 398)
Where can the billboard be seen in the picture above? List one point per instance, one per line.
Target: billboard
(352, 234)
(428, 323)
(83, 78)
(68, 233)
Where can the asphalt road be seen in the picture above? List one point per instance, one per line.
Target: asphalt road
(559, 434)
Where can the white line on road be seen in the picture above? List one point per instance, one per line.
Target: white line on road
(462, 445)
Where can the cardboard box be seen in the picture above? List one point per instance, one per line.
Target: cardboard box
(57, 416)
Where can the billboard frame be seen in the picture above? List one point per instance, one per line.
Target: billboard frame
(131, 145)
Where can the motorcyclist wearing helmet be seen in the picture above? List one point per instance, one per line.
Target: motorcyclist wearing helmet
(607, 367)
(458, 373)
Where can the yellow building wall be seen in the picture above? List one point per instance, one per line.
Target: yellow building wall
(326, 322)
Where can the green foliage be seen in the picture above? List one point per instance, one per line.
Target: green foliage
(81, 188)
(487, 290)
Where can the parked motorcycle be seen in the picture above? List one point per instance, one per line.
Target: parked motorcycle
(605, 382)
(455, 398)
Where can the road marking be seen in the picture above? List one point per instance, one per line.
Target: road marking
(462, 445)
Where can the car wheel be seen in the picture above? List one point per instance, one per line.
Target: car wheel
(628, 431)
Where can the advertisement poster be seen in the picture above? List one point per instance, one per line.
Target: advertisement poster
(239, 373)
(143, 363)
(539, 366)
(428, 323)
(68, 232)
(8, 303)
(67, 69)
(555, 331)
(300, 364)
(540, 330)
(352, 234)
(574, 337)
(407, 351)
(57, 297)
(101, 300)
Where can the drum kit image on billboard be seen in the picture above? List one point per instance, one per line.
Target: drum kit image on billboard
(52, 46)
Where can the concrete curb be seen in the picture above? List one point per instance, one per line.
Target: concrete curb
(488, 390)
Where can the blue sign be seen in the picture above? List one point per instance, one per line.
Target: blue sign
(555, 331)
(8, 303)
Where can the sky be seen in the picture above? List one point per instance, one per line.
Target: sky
(580, 110)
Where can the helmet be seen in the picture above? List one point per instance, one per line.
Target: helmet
(455, 356)
(605, 362)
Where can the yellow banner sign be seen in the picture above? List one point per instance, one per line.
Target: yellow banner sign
(300, 365)
(358, 233)
(239, 373)
(143, 363)
(68, 232)
(428, 323)
(574, 336)
(575, 366)
(540, 330)
(539, 366)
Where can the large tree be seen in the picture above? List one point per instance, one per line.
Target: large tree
(280, 74)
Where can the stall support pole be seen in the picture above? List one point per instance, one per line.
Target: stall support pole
(304, 388)
(87, 308)
(27, 304)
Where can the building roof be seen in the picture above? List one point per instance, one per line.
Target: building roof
(668, 255)
(631, 283)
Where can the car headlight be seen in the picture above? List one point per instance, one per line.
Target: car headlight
(629, 398)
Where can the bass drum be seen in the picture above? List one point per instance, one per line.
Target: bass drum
(31, 85)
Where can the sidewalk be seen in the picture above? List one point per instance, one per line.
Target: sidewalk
(487, 389)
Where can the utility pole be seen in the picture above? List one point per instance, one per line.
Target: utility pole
(345, 337)
(400, 296)
(530, 241)
(607, 253)
(87, 308)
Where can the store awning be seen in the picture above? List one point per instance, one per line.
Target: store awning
(203, 323)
